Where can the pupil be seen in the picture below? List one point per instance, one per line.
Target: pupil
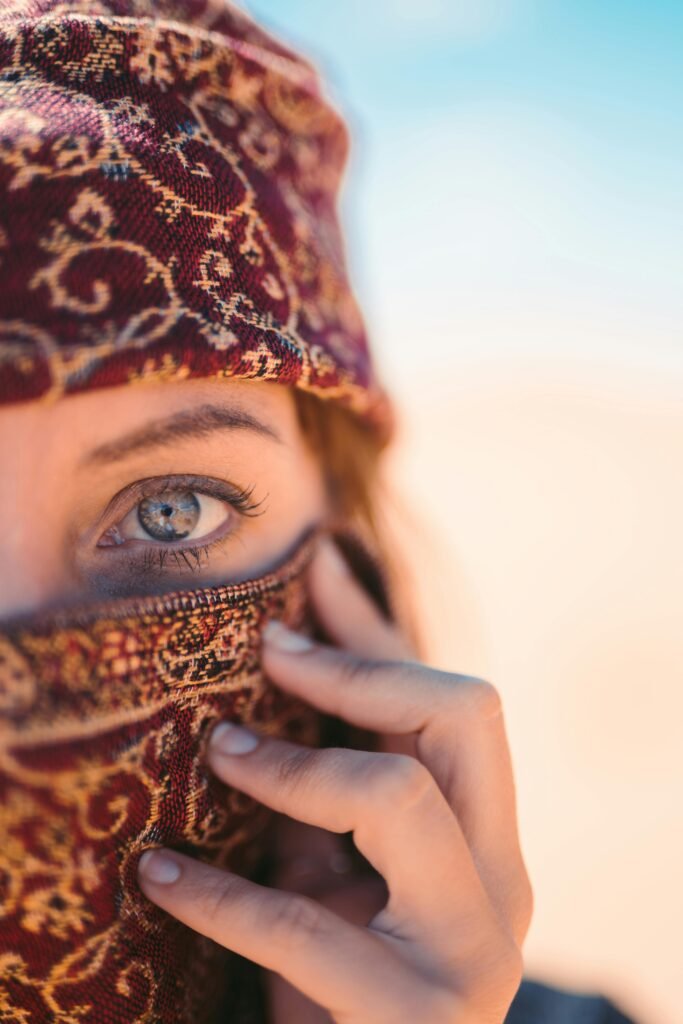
(170, 519)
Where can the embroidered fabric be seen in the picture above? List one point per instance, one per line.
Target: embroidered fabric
(168, 186)
(104, 718)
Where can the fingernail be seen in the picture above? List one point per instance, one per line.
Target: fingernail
(227, 738)
(277, 635)
(158, 866)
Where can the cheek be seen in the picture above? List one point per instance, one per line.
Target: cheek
(291, 484)
(43, 505)
(303, 489)
(296, 500)
(34, 552)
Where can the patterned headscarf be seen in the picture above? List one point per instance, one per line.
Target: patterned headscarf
(105, 713)
(169, 176)
(168, 180)
(104, 719)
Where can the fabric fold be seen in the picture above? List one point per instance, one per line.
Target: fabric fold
(104, 718)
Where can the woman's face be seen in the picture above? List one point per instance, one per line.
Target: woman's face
(144, 489)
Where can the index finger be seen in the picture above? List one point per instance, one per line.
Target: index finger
(353, 620)
(458, 726)
(346, 610)
(330, 960)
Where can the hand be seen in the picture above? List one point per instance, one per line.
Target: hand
(440, 828)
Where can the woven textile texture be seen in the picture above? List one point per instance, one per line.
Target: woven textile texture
(104, 718)
(168, 186)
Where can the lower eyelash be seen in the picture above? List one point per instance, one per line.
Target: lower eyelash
(156, 559)
(191, 557)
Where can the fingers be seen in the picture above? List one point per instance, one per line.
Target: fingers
(352, 620)
(347, 612)
(383, 694)
(325, 957)
(461, 740)
(400, 821)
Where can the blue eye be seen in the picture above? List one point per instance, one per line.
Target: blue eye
(171, 518)
(178, 515)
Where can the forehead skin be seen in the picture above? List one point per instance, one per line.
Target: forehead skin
(62, 463)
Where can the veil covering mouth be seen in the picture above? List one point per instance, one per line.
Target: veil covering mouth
(104, 720)
(169, 175)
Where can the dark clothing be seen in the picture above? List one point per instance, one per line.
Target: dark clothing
(535, 1003)
(539, 1003)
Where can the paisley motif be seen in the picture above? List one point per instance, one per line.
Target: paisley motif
(168, 188)
(104, 718)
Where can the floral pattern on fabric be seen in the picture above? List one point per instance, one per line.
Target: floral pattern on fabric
(104, 719)
(168, 195)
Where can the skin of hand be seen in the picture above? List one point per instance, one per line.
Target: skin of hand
(433, 810)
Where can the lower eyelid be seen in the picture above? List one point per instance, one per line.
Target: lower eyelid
(144, 561)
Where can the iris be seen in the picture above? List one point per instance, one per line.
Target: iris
(172, 516)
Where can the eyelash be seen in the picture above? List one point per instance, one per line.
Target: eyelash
(154, 557)
(238, 497)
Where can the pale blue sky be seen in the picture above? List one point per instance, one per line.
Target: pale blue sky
(516, 186)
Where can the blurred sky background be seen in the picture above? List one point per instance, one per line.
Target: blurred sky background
(514, 216)
(516, 176)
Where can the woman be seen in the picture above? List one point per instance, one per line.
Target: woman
(189, 415)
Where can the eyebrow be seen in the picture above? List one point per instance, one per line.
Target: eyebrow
(199, 422)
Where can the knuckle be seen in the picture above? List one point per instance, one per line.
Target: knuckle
(296, 767)
(526, 904)
(355, 671)
(510, 966)
(527, 894)
(217, 900)
(398, 780)
(494, 973)
(482, 698)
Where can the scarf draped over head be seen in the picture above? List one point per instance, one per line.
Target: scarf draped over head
(168, 186)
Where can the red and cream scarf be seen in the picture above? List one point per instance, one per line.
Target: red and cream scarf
(168, 186)
(104, 718)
